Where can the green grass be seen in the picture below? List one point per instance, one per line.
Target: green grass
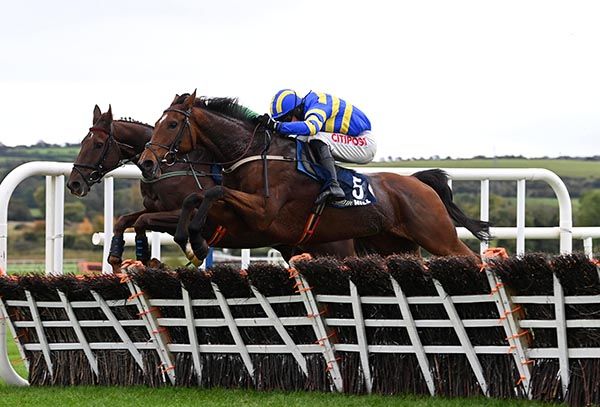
(20, 268)
(36, 213)
(563, 168)
(164, 397)
(15, 358)
(68, 254)
(169, 396)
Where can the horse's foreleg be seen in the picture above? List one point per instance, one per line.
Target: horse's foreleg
(191, 202)
(157, 222)
(117, 243)
(142, 247)
(197, 241)
(254, 210)
(286, 251)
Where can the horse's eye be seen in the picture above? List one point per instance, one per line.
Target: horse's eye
(172, 125)
(98, 144)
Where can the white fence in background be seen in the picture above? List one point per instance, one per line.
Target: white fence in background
(55, 191)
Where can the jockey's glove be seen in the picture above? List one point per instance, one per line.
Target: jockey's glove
(268, 123)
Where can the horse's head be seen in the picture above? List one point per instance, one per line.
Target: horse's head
(108, 144)
(99, 154)
(220, 127)
(172, 135)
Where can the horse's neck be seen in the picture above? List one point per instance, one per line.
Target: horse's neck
(197, 160)
(232, 143)
(282, 145)
(132, 135)
(200, 155)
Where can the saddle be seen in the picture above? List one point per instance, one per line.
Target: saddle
(356, 186)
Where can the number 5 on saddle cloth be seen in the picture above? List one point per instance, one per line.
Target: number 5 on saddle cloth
(356, 186)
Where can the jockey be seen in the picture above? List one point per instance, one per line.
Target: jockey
(334, 128)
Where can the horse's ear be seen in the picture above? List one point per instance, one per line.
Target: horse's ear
(109, 113)
(97, 114)
(175, 99)
(189, 101)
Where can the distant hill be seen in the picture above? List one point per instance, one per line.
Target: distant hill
(564, 167)
(579, 173)
(25, 203)
(583, 167)
(11, 157)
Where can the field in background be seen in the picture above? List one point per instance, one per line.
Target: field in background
(33, 153)
(34, 266)
(563, 168)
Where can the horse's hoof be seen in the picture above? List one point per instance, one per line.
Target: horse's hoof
(200, 251)
(300, 257)
(115, 262)
(155, 263)
(180, 239)
(189, 254)
(130, 264)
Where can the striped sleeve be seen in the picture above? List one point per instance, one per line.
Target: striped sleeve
(299, 128)
(318, 111)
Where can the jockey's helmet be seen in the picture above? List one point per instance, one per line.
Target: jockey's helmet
(283, 103)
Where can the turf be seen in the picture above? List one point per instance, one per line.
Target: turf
(141, 396)
(15, 358)
(169, 396)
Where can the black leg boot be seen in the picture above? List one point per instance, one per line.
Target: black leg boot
(333, 192)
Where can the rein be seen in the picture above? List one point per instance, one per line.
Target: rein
(183, 173)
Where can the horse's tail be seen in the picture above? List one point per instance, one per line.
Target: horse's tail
(438, 180)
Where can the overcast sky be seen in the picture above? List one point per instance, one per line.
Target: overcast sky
(447, 78)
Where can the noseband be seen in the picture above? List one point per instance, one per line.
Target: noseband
(99, 169)
(170, 156)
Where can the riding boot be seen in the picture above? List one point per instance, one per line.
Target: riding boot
(333, 191)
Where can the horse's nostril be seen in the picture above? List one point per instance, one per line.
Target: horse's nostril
(147, 165)
(74, 186)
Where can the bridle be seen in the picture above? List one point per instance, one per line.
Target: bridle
(170, 156)
(99, 169)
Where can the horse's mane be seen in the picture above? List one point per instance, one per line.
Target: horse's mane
(223, 105)
(130, 120)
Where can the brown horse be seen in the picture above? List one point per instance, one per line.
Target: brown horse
(408, 213)
(111, 143)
